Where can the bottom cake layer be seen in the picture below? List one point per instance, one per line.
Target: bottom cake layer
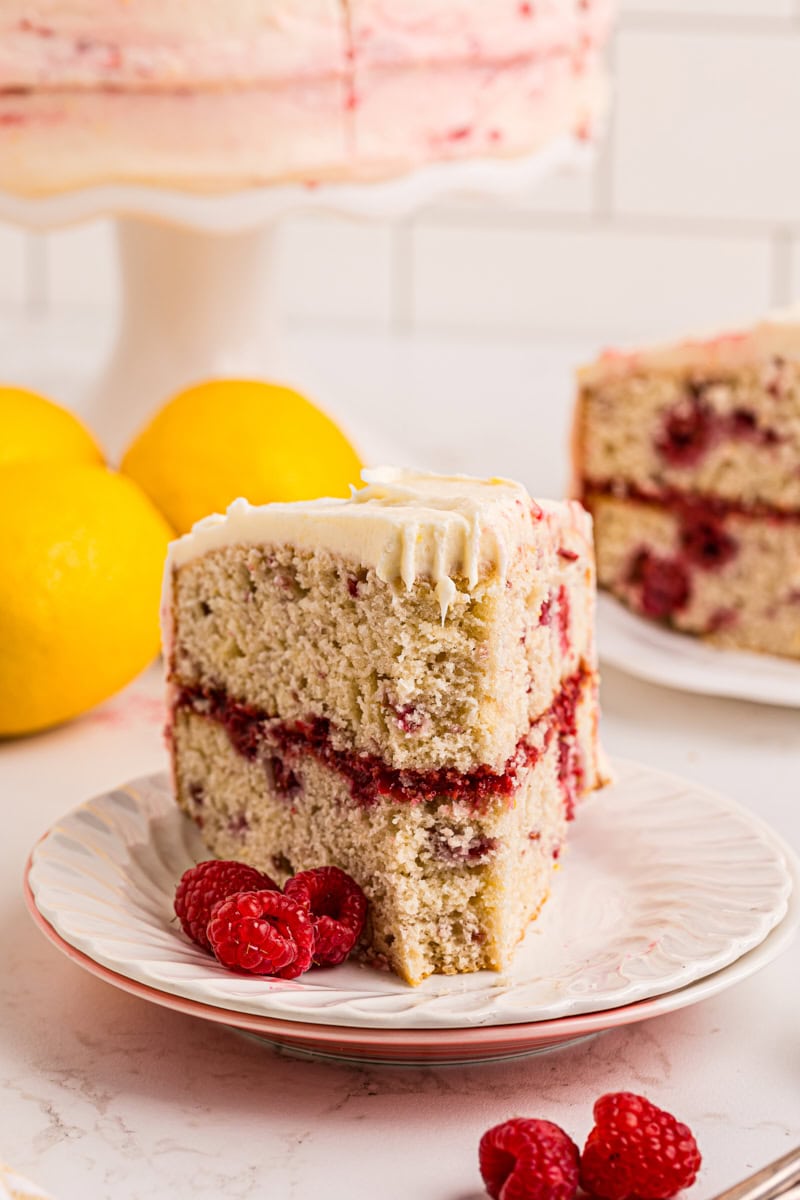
(452, 882)
(729, 576)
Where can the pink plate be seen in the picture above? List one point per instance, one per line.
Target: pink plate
(410, 1047)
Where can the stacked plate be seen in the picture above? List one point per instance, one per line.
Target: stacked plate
(668, 894)
(660, 655)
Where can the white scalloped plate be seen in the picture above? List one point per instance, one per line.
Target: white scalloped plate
(659, 655)
(663, 883)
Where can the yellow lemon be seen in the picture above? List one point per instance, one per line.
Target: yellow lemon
(36, 430)
(229, 438)
(82, 552)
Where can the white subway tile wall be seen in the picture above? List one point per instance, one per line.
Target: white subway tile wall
(81, 265)
(15, 251)
(334, 267)
(586, 281)
(714, 8)
(690, 216)
(709, 136)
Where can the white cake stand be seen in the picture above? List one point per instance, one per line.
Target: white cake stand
(195, 305)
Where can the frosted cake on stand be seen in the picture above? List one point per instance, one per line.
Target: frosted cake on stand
(225, 96)
(402, 684)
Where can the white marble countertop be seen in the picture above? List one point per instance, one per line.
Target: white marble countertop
(106, 1096)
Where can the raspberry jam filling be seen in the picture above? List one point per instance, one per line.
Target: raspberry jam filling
(685, 501)
(256, 736)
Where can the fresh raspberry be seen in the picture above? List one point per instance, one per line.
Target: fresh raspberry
(263, 933)
(637, 1150)
(526, 1159)
(204, 885)
(337, 907)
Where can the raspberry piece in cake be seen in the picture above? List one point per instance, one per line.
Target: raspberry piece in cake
(262, 933)
(687, 456)
(203, 886)
(528, 1159)
(337, 907)
(637, 1151)
(688, 432)
(410, 735)
(663, 584)
(704, 539)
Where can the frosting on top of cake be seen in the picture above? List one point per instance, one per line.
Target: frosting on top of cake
(776, 334)
(405, 524)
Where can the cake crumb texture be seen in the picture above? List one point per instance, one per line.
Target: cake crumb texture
(687, 456)
(402, 685)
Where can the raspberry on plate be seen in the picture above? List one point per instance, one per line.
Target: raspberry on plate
(526, 1159)
(205, 884)
(262, 933)
(637, 1150)
(337, 907)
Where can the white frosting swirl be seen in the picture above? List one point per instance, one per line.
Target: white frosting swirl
(406, 525)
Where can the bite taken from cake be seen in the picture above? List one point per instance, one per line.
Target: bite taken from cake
(402, 685)
(688, 456)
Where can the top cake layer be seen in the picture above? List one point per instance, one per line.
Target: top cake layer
(152, 44)
(403, 524)
(431, 620)
(388, 33)
(776, 335)
(168, 43)
(715, 417)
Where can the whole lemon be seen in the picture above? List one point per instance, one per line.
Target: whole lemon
(82, 552)
(229, 438)
(36, 430)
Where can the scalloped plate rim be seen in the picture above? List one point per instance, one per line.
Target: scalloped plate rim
(664, 656)
(399, 1046)
(411, 1018)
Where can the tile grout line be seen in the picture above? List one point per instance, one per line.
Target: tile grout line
(36, 274)
(604, 170)
(710, 24)
(612, 222)
(781, 267)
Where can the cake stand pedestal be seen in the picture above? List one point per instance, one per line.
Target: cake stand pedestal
(200, 274)
(193, 307)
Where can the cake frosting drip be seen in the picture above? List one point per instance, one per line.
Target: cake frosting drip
(406, 525)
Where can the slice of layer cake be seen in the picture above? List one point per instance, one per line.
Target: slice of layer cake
(689, 458)
(402, 684)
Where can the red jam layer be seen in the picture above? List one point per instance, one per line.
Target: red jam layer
(692, 503)
(257, 736)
